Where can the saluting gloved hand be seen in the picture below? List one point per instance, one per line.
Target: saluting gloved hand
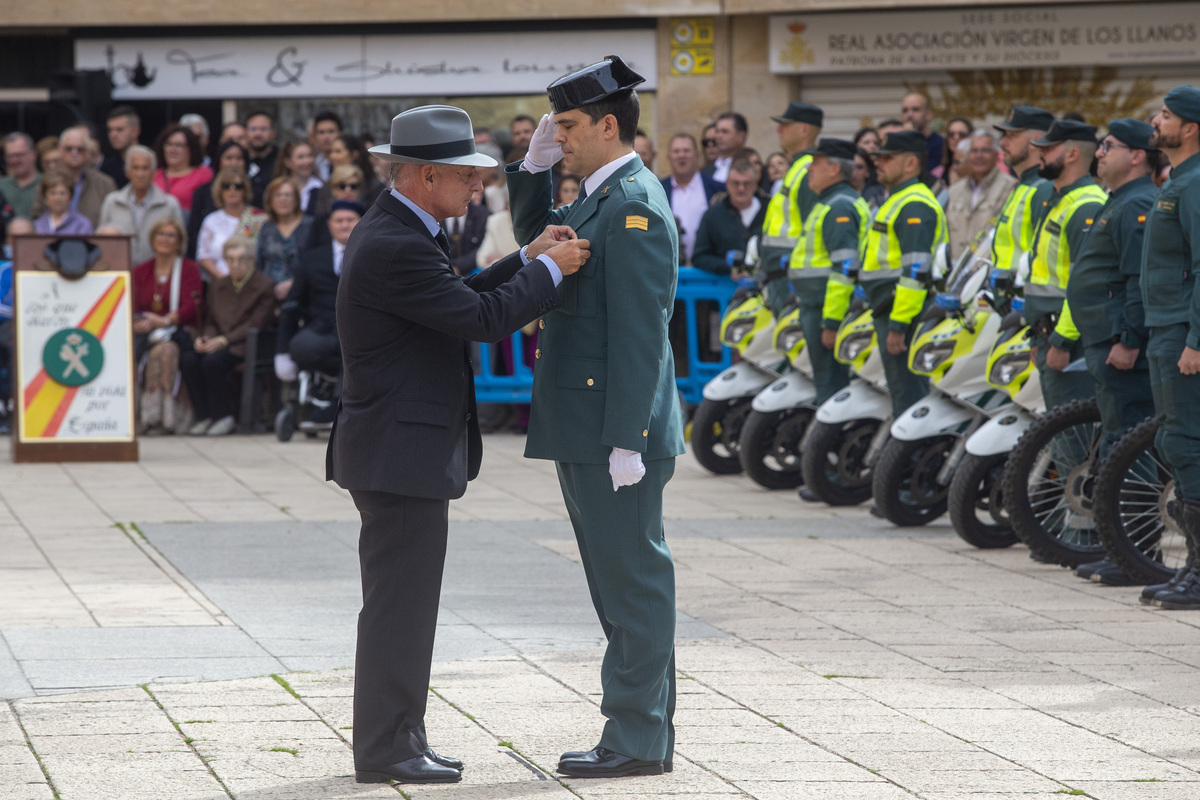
(544, 152)
(625, 467)
(285, 368)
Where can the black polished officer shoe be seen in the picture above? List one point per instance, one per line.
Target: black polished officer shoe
(419, 769)
(445, 761)
(600, 762)
(1086, 571)
(1111, 574)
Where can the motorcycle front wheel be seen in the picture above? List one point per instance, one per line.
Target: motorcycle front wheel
(716, 433)
(976, 502)
(770, 446)
(1132, 491)
(1049, 484)
(833, 461)
(905, 484)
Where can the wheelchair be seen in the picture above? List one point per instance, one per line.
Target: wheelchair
(309, 405)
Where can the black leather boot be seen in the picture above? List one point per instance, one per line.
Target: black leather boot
(1174, 511)
(1185, 595)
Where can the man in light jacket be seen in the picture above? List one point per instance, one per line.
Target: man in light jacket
(134, 209)
(978, 197)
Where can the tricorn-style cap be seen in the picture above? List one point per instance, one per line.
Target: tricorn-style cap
(433, 135)
(836, 148)
(1132, 132)
(592, 83)
(1184, 101)
(1066, 130)
(802, 112)
(1022, 118)
(903, 142)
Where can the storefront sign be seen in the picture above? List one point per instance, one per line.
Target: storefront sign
(74, 369)
(986, 38)
(352, 66)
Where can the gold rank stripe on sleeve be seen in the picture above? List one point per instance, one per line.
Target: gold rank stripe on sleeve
(635, 221)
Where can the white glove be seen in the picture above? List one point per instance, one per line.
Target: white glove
(625, 467)
(285, 369)
(544, 152)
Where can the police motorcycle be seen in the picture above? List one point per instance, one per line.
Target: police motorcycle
(769, 449)
(976, 502)
(911, 480)
(843, 440)
(747, 326)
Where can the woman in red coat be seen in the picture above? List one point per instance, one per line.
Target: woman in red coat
(166, 290)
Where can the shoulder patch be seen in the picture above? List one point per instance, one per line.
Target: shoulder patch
(842, 219)
(1141, 218)
(914, 220)
(635, 221)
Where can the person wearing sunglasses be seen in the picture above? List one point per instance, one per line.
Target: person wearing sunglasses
(234, 216)
(89, 185)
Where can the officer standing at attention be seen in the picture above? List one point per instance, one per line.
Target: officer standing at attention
(1067, 151)
(896, 263)
(1027, 202)
(604, 400)
(834, 232)
(1171, 263)
(1105, 296)
(798, 128)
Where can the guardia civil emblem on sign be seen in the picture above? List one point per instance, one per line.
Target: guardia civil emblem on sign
(73, 357)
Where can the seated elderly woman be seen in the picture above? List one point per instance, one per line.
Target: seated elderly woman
(234, 217)
(166, 290)
(58, 219)
(237, 302)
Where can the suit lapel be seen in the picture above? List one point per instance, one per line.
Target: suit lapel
(409, 218)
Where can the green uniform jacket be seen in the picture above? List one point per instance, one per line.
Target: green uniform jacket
(720, 231)
(604, 376)
(1172, 254)
(1104, 292)
(1019, 218)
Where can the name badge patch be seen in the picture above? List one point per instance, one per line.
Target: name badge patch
(635, 221)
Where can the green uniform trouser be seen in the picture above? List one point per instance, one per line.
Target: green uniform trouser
(904, 387)
(1177, 401)
(829, 374)
(1062, 387)
(631, 578)
(1123, 394)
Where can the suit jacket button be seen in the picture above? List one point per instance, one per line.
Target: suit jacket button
(590, 381)
(542, 324)
(645, 433)
(537, 353)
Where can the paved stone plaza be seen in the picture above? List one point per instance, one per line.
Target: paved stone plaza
(183, 629)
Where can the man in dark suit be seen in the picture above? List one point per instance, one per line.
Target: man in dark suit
(312, 300)
(406, 439)
(465, 234)
(689, 191)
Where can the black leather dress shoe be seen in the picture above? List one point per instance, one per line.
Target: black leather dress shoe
(600, 762)
(419, 769)
(445, 761)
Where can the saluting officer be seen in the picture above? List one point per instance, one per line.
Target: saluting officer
(1027, 202)
(783, 226)
(1066, 152)
(1172, 261)
(604, 400)
(834, 233)
(895, 264)
(1105, 296)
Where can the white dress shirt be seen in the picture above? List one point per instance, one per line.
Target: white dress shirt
(688, 204)
(339, 252)
(721, 169)
(595, 181)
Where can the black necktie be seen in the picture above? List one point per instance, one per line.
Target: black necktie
(582, 193)
(443, 242)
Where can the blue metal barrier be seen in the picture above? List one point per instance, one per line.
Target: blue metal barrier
(697, 296)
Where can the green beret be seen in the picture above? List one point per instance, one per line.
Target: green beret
(1184, 101)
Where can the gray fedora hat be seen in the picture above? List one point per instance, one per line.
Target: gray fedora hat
(433, 135)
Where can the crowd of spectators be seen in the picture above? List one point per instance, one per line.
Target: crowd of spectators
(184, 200)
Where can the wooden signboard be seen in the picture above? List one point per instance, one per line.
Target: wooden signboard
(74, 378)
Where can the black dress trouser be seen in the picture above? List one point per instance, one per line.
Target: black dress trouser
(401, 552)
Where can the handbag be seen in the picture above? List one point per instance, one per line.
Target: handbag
(159, 335)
